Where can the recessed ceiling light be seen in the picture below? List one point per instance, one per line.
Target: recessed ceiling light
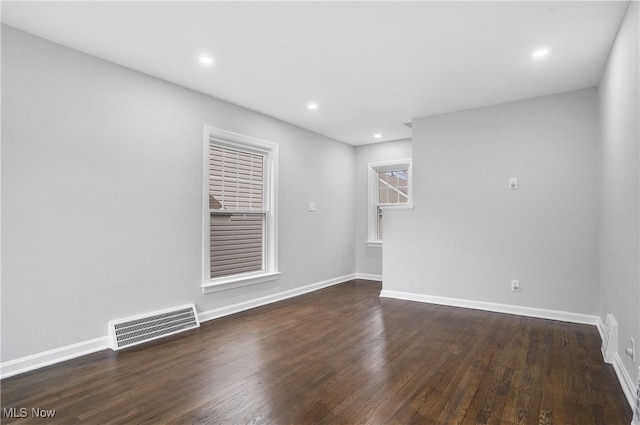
(540, 53)
(377, 135)
(206, 60)
(312, 106)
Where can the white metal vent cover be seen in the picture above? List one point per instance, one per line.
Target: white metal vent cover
(135, 330)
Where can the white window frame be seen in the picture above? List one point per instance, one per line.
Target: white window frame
(373, 169)
(269, 150)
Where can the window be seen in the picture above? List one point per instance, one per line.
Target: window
(239, 214)
(389, 187)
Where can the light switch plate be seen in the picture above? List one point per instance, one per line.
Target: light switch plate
(513, 183)
(515, 286)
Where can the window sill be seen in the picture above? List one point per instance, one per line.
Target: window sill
(374, 244)
(397, 207)
(223, 284)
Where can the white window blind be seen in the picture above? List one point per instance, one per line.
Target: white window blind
(237, 211)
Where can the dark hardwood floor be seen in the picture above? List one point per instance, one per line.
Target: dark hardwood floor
(340, 355)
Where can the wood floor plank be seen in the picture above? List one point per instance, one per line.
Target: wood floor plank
(457, 382)
(340, 355)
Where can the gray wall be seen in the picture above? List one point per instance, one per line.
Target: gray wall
(619, 217)
(369, 259)
(101, 187)
(469, 235)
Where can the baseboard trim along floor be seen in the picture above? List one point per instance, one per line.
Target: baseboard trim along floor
(72, 351)
(623, 377)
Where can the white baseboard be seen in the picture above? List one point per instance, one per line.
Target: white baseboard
(628, 387)
(57, 355)
(600, 326)
(247, 305)
(626, 382)
(540, 313)
(367, 276)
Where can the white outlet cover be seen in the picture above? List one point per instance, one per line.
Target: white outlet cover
(515, 286)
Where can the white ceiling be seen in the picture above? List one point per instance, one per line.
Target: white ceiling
(370, 66)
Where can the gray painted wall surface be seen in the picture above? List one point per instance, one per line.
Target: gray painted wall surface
(101, 187)
(101, 208)
(369, 259)
(469, 235)
(619, 184)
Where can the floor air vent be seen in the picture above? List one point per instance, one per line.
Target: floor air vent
(131, 331)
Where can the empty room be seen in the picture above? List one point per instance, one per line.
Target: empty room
(324, 212)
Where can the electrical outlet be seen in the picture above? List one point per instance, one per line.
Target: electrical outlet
(515, 286)
(513, 183)
(631, 349)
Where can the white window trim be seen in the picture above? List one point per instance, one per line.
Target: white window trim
(372, 177)
(270, 152)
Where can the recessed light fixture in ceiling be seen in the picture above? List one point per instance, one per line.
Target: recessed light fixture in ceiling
(206, 60)
(540, 53)
(312, 106)
(377, 135)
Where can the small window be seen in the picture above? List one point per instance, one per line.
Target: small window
(389, 187)
(240, 246)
